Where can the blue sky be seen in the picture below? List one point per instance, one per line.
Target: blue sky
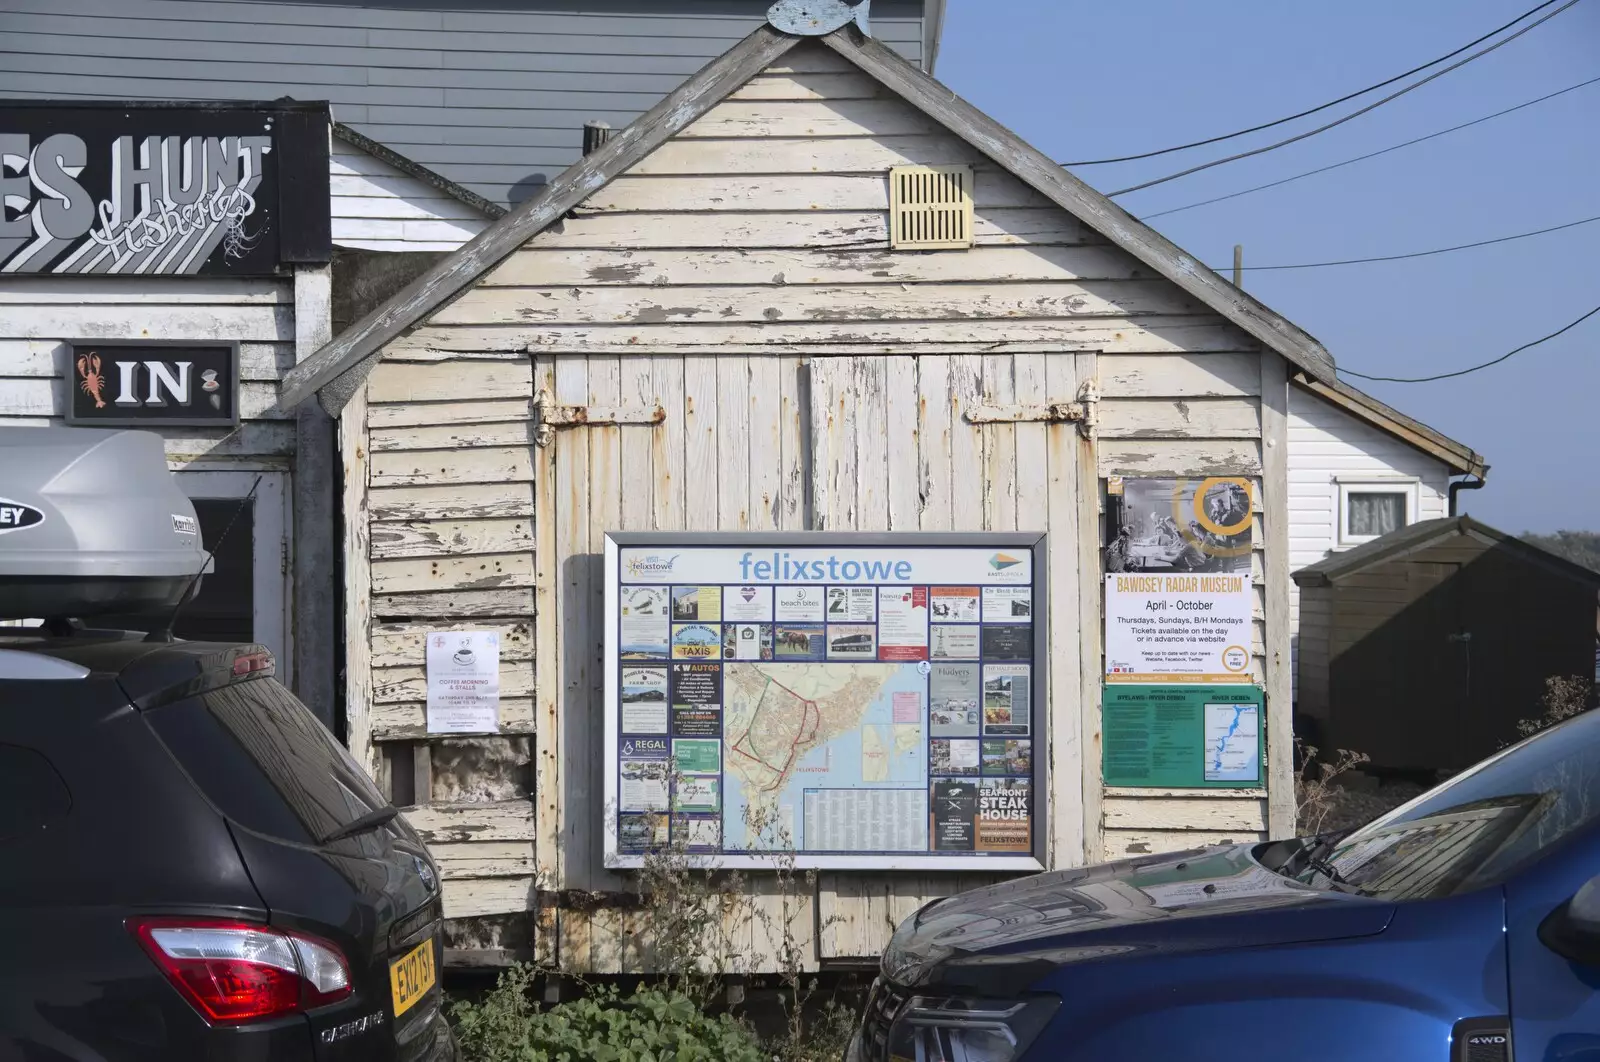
(1091, 80)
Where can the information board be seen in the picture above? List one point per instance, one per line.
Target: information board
(1184, 737)
(868, 701)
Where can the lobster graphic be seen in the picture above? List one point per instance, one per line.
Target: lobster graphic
(93, 382)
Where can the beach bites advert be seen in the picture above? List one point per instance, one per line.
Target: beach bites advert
(1179, 592)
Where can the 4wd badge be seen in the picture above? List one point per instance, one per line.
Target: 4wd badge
(15, 516)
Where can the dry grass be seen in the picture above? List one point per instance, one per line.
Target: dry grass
(1316, 792)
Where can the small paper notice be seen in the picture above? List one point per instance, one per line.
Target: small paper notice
(464, 682)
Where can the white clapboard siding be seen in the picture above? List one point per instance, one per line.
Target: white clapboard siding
(820, 192)
(1169, 335)
(479, 896)
(408, 720)
(509, 820)
(686, 267)
(843, 85)
(452, 501)
(922, 302)
(1125, 844)
(376, 207)
(484, 859)
(43, 396)
(48, 358)
(445, 538)
(398, 685)
(996, 227)
(41, 316)
(1187, 812)
(484, 571)
(1326, 443)
(761, 119)
(740, 278)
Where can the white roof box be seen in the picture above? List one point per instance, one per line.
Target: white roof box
(92, 522)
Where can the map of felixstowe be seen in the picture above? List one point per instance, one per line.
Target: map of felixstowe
(794, 727)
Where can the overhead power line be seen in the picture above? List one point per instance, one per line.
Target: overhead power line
(1502, 42)
(1419, 254)
(1320, 107)
(1368, 155)
(1474, 368)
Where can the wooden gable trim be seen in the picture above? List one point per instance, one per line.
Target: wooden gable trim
(1457, 457)
(342, 364)
(412, 168)
(345, 362)
(1416, 538)
(1053, 181)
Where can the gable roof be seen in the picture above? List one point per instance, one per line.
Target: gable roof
(1421, 535)
(338, 368)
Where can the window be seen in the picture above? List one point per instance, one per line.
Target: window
(265, 761)
(1374, 507)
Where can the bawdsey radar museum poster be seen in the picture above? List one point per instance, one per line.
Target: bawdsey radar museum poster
(1179, 593)
(870, 702)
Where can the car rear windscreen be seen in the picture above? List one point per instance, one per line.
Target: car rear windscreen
(266, 762)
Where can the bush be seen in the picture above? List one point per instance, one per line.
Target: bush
(651, 1025)
(1563, 698)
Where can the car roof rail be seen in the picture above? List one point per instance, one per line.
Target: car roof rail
(34, 667)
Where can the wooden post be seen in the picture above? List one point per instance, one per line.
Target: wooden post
(355, 465)
(594, 135)
(1275, 517)
(313, 614)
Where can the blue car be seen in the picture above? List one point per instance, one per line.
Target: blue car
(1461, 927)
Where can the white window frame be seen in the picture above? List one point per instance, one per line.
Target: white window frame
(271, 560)
(1410, 486)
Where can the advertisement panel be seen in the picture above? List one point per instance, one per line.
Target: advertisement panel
(1179, 594)
(163, 189)
(866, 701)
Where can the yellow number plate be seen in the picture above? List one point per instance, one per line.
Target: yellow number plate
(411, 975)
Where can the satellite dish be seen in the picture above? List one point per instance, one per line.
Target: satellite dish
(818, 18)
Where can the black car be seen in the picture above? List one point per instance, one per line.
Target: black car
(191, 867)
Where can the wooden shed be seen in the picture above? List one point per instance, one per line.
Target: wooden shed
(1424, 648)
(710, 324)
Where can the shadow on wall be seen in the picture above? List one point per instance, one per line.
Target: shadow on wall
(527, 188)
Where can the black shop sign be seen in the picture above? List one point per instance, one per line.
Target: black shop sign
(130, 384)
(163, 189)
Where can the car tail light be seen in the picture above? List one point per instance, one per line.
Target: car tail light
(238, 972)
(250, 663)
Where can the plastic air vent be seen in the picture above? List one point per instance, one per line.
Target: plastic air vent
(930, 208)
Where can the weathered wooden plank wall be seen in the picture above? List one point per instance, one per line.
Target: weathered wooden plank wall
(811, 378)
(445, 468)
(39, 314)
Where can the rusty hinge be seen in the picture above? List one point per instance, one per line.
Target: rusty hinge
(1084, 412)
(553, 416)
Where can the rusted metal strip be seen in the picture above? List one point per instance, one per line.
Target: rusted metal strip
(551, 416)
(1084, 412)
